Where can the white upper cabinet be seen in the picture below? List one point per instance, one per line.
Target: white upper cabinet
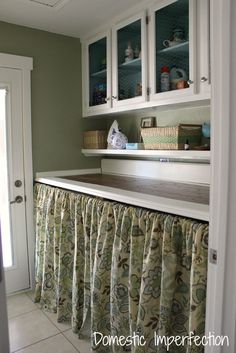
(129, 53)
(128, 67)
(172, 44)
(96, 72)
(129, 74)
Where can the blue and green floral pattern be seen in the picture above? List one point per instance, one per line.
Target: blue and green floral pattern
(137, 270)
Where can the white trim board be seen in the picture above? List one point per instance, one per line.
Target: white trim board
(161, 204)
(28, 169)
(220, 112)
(16, 62)
(176, 172)
(58, 173)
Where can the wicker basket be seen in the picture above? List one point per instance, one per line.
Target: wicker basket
(95, 139)
(171, 137)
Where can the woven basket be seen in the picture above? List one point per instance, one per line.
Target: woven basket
(95, 139)
(171, 137)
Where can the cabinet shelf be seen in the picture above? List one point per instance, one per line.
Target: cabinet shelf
(182, 49)
(192, 155)
(134, 64)
(100, 74)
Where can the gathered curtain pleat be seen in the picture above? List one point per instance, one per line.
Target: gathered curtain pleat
(133, 271)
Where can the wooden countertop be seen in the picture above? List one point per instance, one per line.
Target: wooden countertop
(178, 191)
(183, 199)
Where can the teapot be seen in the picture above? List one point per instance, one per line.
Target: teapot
(178, 34)
(177, 38)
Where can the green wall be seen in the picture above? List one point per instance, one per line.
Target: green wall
(56, 96)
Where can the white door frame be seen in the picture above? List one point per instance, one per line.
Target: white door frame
(25, 64)
(220, 113)
(4, 337)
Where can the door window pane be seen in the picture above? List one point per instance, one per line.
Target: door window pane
(98, 72)
(4, 188)
(172, 46)
(129, 61)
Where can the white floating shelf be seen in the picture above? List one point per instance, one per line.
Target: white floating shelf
(193, 155)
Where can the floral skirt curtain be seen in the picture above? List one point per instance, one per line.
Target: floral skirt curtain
(139, 274)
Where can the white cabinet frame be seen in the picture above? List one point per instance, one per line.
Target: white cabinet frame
(203, 43)
(115, 94)
(176, 95)
(90, 110)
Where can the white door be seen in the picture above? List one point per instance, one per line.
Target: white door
(12, 190)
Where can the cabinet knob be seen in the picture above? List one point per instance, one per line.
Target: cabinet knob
(203, 79)
(107, 99)
(114, 97)
(18, 183)
(190, 82)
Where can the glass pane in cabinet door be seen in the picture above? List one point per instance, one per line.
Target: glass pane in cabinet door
(172, 46)
(98, 72)
(129, 61)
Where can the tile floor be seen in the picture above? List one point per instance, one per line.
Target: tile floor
(32, 330)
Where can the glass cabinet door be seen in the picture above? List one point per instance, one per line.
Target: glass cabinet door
(203, 12)
(98, 73)
(173, 59)
(129, 65)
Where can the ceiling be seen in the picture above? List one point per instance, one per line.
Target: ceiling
(71, 17)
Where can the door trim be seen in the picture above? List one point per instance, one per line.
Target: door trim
(4, 335)
(16, 62)
(25, 64)
(220, 113)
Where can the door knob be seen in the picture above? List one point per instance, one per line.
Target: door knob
(203, 79)
(18, 199)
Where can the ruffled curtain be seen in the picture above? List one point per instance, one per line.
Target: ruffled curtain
(133, 270)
